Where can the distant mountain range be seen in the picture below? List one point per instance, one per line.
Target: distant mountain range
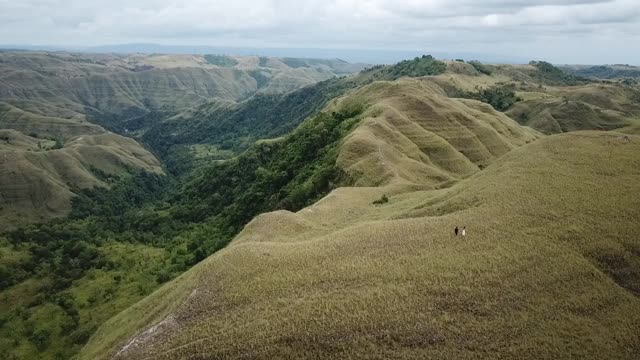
(372, 56)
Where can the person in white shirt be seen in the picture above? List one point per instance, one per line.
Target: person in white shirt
(464, 231)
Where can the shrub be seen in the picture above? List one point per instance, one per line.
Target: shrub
(220, 60)
(501, 97)
(40, 338)
(484, 69)
(550, 74)
(59, 144)
(383, 200)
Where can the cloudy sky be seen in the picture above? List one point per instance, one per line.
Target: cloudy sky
(562, 31)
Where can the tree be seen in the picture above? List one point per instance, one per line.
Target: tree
(40, 338)
(59, 144)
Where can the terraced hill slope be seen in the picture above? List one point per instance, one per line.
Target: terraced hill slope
(419, 136)
(549, 267)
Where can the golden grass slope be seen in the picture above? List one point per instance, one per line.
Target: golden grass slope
(551, 109)
(417, 135)
(550, 267)
(37, 181)
(586, 107)
(27, 122)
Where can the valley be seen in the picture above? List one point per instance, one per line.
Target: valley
(68, 99)
(200, 209)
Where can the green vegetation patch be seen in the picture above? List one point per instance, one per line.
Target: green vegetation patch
(419, 66)
(481, 68)
(208, 151)
(221, 60)
(237, 127)
(549, 74)
(262, 77)
(501, 97)
(605, 71)
(295, 63)
(41, 320)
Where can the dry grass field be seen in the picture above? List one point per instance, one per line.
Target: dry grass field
(549, 269)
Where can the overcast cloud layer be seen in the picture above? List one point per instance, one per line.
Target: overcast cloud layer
(562, 31)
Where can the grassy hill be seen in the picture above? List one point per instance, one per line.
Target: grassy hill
(130, 86)
(549, 269)
(550, 260)
(48, 153)
(57, 98)
(548, 100)
(38, 179)
(593, 106)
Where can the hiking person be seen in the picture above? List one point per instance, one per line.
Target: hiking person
(456, 231)
(464, 231)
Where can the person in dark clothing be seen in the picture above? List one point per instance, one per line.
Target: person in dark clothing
(456, 231)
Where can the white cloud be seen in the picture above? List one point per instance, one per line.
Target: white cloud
(411, 24)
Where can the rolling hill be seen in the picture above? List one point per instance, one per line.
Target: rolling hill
(549, 267)
(549, 100)
(40, 174)
(63, 110)
(367, 175)
(37, 179)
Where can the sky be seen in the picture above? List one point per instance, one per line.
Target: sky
(560, 31)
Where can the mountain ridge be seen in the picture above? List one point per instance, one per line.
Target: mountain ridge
(285, 256)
